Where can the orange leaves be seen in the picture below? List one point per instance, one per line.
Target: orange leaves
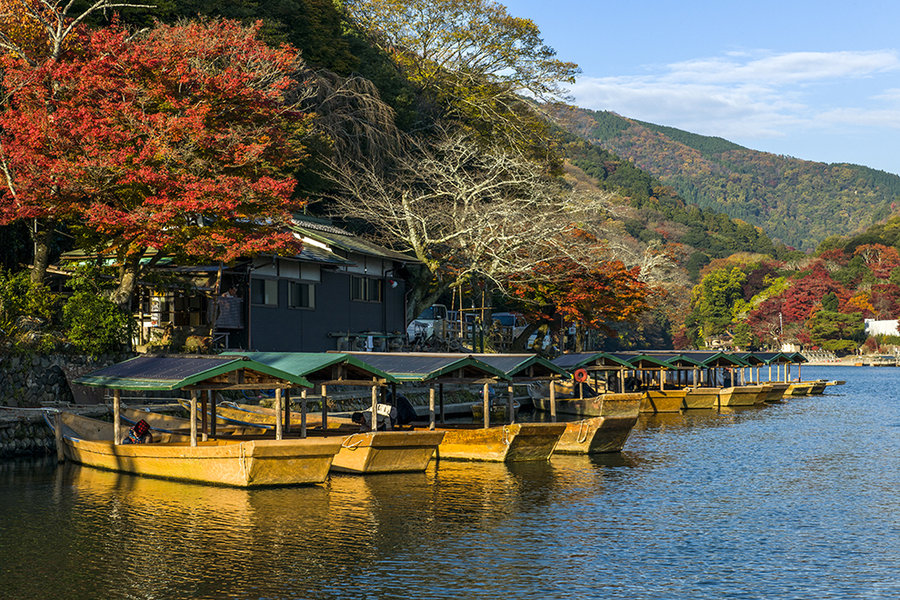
(25, 36)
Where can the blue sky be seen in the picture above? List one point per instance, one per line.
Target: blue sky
(814, 80)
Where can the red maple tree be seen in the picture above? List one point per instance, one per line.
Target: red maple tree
(183, 139)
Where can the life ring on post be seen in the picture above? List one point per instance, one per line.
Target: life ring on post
(580, 375)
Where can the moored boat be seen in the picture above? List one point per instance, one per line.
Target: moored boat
(223, 461)
(776, 394)
(739, 395)
(170, 423)
(592, 406)
(516, 442)
(701, 398)
(660, 401)
(799, 389)
(818, 387)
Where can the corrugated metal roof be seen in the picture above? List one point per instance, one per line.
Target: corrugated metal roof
(423, 367)
(337, 237)
(515, 364)
(313, 365)
(175, 372)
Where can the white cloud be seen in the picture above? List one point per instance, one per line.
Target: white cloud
(749, 95)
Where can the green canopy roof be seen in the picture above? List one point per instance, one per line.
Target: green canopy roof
(315, 365)
(424, 367)
(152, 372)
(522, 365)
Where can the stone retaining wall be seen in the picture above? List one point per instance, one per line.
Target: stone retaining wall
(26, 435)
(33, 380)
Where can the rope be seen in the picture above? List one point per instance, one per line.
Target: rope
(244, 461)
(582, 426)
(506, 435)
(353, 446)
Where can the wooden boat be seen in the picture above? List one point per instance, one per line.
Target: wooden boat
(387, 451)
(799, 389)
(701, 398)
(593, 406)
(739, 395)
(776, 394)
(221, 462)
(606, 433)
(170, 423)
(818, 387)
(360, 452)
(835, 382)
(659, 401)
(506, 443)
(763, 396)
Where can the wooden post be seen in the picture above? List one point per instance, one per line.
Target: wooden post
(193, 418)
(375, 408)
(553, 401)
(279, 429)
(621, 380)
(212, 412)
(486, 400)
(441, 395)
(57, 427)
(770, 372)
(696, 372)
(509, 405)
(303, 413)
(204, 424)
(287, 411)
(324, 408)
(117, 425)
(662, 379)
(431, 393)
(799, 376)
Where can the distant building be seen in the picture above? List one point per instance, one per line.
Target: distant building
(883, 327)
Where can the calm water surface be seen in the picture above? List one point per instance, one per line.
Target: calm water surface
(798, 500)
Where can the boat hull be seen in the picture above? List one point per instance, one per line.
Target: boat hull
(595, 435)
(818, 387)
(776, 394)
(603, 405)
(701, 398)
(662, 401)
(743, 395)
(161, 422)
(798, 389)
(249, 463)
(240, 464)
(387, 451)
(517, 442)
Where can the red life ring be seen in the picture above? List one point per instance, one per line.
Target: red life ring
(581, 375)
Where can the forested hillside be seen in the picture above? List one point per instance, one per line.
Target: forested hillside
(796, 202)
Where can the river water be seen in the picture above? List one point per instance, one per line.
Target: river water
(796, 500)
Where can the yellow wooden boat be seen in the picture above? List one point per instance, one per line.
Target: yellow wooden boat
(739, 395)
(763, 396)
(776, 394)
(799, 389)
(361, 452)
(221, 462)
(251, 414)
(592, 406)
(818, 387)
(387, 451)
(605, 433)
(701, 398)
(660, 401)
(506, 443)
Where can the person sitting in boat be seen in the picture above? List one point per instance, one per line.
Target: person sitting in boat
(138, 434)
(386, 418)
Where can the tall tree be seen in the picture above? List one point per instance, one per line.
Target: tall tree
(34, 36)
(182, 140)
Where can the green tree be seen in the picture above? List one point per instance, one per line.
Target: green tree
(714, 298)
(835, 331)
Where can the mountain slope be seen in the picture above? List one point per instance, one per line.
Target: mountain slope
(796, 202)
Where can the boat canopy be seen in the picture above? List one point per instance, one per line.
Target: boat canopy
(322, 367)
(523, 366)
(163, 372)
(424, 367)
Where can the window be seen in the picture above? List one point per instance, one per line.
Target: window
(365, 289)
(264, 291)
(301, 295)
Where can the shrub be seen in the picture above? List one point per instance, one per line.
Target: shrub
(96, 325)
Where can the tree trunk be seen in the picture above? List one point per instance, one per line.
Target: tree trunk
(41, 238)
(128, 279)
